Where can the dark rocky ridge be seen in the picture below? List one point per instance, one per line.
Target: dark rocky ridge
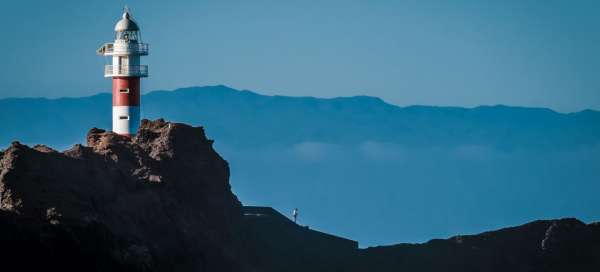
(164, 193)
(161, 201)
(545, 245)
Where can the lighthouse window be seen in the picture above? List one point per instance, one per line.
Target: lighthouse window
(124, 117)
(124, 90)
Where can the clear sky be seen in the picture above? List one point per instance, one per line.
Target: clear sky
(457, 53)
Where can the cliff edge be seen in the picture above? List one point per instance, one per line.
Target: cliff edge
(161, 201)
(158, 201)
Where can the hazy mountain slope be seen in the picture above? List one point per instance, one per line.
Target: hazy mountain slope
(284, 120)
(30, 119)
(412, 173)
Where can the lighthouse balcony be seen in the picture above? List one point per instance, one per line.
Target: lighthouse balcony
(123, 48)
(126, 71)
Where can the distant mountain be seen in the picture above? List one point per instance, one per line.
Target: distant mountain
(248, 119)
(411, 172)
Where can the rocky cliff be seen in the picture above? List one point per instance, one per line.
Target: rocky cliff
(161, 201)
(545, 245)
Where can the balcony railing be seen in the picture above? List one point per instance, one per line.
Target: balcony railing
(140, 49)
(126, 70)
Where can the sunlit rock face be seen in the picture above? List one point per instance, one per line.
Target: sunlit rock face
(161, 199)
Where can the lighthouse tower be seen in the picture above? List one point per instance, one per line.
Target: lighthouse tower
(125, 72)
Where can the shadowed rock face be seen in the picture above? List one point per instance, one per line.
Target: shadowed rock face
(545, 245)
(162, 199)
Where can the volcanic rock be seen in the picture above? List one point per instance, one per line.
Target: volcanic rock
(161, 199)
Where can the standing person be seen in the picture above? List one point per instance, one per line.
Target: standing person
(295, 214)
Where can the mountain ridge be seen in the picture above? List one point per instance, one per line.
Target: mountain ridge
(519, 163)
(370, 117)
(220, 87)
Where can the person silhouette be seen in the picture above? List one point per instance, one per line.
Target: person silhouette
(295, 214)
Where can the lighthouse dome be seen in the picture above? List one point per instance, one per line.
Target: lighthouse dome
(126, 24)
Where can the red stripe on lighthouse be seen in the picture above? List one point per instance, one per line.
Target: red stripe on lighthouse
(126, 91)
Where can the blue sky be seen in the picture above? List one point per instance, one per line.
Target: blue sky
(457, 53)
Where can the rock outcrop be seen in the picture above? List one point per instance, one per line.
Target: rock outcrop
(544, 245)
(162, 199)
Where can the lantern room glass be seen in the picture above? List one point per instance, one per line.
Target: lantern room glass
(129, 36)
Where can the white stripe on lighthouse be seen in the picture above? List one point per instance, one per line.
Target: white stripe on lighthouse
(126, 119)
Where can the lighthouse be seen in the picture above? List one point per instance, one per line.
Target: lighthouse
(125, 71)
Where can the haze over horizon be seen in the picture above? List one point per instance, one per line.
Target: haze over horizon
(258, 92)
(464, 53)
(411, 173)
